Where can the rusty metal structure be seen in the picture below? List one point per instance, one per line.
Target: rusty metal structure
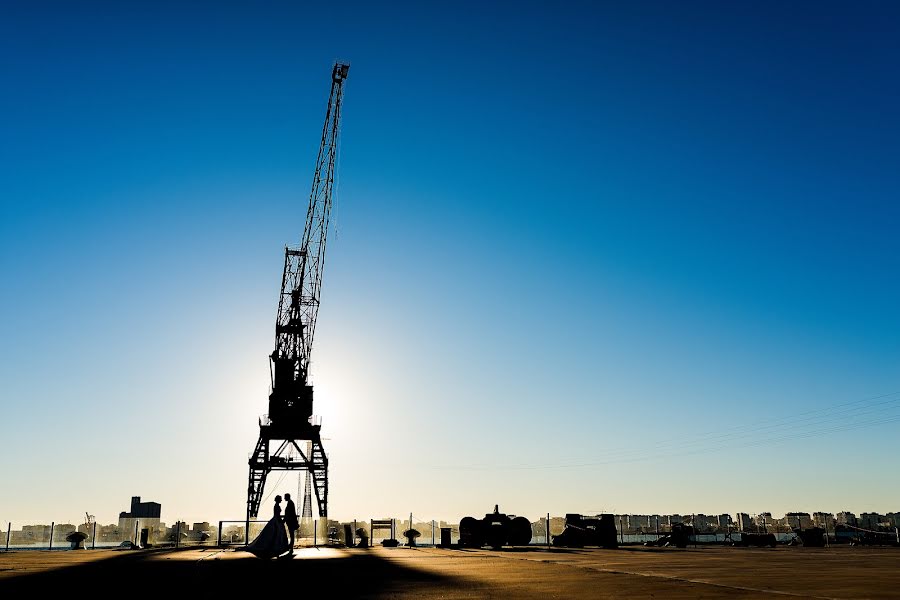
(290, 418)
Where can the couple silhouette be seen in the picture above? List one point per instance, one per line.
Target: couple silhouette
(272, 541)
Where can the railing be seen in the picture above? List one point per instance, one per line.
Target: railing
(150, 533)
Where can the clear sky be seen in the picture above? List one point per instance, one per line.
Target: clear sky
(637, 257)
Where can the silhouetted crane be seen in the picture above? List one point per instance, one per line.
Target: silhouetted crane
(290, 418)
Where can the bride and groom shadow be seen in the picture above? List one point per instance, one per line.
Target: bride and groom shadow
(273, 541)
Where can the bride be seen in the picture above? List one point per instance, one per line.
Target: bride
(272, 540)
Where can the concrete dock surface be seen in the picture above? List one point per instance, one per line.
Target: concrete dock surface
(529, 573)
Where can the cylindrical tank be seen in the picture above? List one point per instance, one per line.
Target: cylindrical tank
(470, 535)
(519, 532)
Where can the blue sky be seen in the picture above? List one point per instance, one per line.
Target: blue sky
(573, 245)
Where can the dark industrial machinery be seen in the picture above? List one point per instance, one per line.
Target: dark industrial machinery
(812, 537)
(758, 539)
(583, 531)
(495, 530)
(290, 417)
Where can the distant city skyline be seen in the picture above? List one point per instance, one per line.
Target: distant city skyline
(634, 257)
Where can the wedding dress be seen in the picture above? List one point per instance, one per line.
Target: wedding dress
(272, 541)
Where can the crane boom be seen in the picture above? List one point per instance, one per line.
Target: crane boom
(298, 305)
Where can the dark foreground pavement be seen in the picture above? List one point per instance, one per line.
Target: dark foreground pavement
(534, 573)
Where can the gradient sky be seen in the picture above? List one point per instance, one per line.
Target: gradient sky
(637, 257)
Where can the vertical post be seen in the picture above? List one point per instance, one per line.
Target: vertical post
(94, 537)
(353, 536)
(8, 528)
(694, 527)
(247, 528)
(178, 532)
(547, 530)
(136, 523)
(897, 533)
(219, 535)
(51, 534)
(315, 533)
(432, 532)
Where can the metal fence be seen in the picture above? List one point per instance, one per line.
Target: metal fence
(391, 530)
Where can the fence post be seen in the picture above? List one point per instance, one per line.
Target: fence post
(51, 534)
(353, 535)
(219, 535)
(547, 530)
(432, 532)
(136, 524)
(315, 533)
(8, 529)
(94, 537)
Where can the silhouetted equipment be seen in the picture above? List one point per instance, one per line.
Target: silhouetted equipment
(758, 539)
(495, 530)
(812, 537)
(446, 537)
(583, 531)
(681, 534)
(389, 524)
(290, 418)
(363, 536)
(348, 535)
(76, 539)
(411, 535)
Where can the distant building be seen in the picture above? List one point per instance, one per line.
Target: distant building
(846, 517)
(744, 522)
(871, 520)
(724, 522)
(798, 520)
(61, 530)
(703, 522)
(823, 519)
(637, 523)
(142, 515)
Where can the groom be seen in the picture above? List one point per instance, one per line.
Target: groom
(290, 518)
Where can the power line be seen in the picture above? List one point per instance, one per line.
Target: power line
(816, 422)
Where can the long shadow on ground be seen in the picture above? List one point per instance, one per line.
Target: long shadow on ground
(159, 575)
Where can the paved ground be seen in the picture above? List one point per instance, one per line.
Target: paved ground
(638, 572)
